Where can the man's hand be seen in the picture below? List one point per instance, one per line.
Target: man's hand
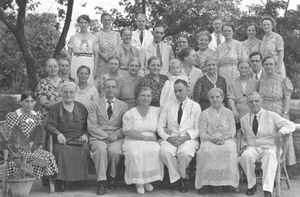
(113, 137)
(83, 138)
(173, 140)
(61, 139)
(168, 131)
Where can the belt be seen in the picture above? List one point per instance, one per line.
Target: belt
(83, 54)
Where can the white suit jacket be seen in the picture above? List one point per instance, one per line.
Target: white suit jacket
(189, 121)
(269, 123)
(166, 52)
(213, 43)
(147, 39)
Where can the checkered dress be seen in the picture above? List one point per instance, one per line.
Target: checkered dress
(27, 122)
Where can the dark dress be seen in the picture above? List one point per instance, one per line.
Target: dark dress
(72, 161)
(202, 87)
(156, 87)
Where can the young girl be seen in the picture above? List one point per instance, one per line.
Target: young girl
(113, 66)
(167, 93)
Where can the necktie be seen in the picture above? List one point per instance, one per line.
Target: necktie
(158, 54)
(255, 125)
(256, 77)
(109, 110)
(218, 39)
(141, 37)
(179, 114)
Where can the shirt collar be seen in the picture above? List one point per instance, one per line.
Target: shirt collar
(19, 112)
(112, 101)
(183, 102)
(257, 114)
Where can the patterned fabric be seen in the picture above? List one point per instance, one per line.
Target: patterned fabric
(217, 164)
(271, 46)
(156, 86)
(27, 122)
(193, 76)
(228, 54)
(252, 45)
(107, 41)
(125, 54)
(202, 87)
(51, 92)
(273, 91)
(201, 56)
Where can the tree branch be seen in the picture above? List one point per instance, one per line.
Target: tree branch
(63, 35)
(7, 21)
(21, 14)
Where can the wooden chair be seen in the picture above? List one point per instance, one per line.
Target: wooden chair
(281, 173)
(3, 129)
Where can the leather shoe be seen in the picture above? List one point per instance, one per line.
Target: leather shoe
(60, 186)
(267, 194)
(101, 188)
(111, 184)
(205, 189)
(251, 191)
(182, 186)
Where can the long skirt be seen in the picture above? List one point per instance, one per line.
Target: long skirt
(142, 162)
(38, 171)
(217, 165)
(78, 61)
(72, 162)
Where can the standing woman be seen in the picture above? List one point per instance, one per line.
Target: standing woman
(210, 80)
(188, 57)
(153, 80)
(228, 54)
(108, 40)
(240, 88)
(83, 48)
(272, 44)
(48, 89)
(64, 69)
(203, 38)
(276, 94)
(128, 83)
(252, 44)
(85, 92)
(141, 149)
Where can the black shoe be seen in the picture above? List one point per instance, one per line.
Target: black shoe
(226, 189)
(267, 194)
(182, 186)
(111, 184)
(205, 190)
(60, 186)
(251, 191)
(101, 188)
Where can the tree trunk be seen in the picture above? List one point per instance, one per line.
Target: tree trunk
(144, 6)
(63, 35)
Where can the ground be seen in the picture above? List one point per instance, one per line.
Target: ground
(87, 189)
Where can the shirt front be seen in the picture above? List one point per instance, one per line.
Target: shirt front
(112, 102)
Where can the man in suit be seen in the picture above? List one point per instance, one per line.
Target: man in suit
(141, 37)
(260, 128)
(178, 128)
(106, 137)
(159, 49)
(217, 37)
(256, 65)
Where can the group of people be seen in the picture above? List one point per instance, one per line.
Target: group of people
(130, 95)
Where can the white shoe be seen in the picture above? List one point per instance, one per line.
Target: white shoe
(140, 188)
(148, 187)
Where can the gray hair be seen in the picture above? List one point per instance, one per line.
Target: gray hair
(67, 84)
(253, 94)
(214, 90)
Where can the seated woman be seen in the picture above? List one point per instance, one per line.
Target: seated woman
(217, 161)
(128, 83)
(28, 120)
(67, 123)
(141, 149)
(85, 93)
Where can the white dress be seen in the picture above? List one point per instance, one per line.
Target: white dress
(87, 96)
(142, 161)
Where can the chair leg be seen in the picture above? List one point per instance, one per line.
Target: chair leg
(287, 178)
(51, 184)
(277, 180)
